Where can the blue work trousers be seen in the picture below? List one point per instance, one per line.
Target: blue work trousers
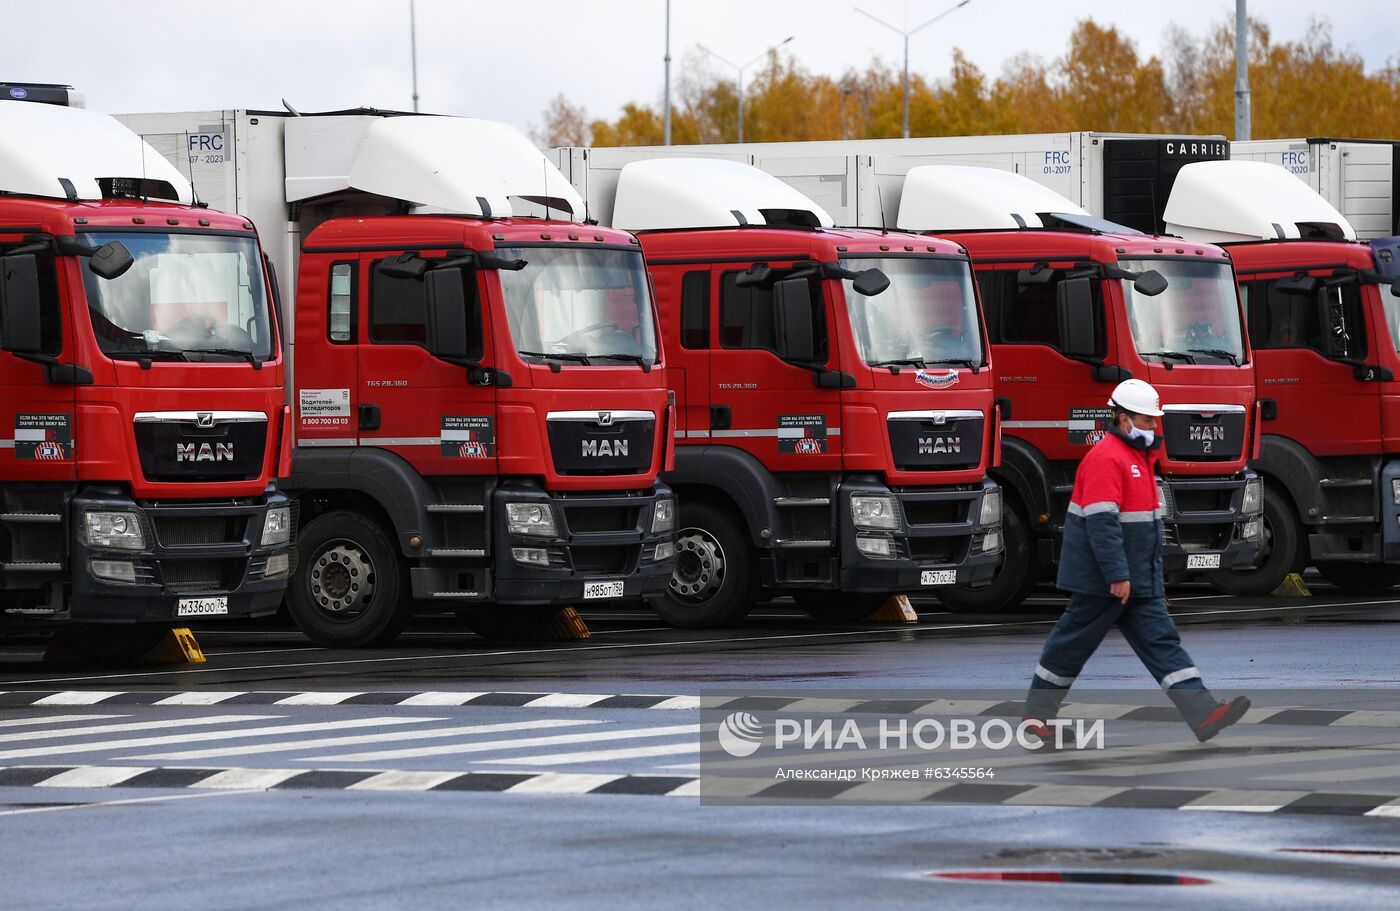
(1149, 629)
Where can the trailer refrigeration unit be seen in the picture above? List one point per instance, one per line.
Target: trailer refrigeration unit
(1360, 178)
(1324, 318)
(834, 393)
(142, 416)
(1074, 305)
(481, 408)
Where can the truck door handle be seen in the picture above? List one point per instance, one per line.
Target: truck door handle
(721, 418)
(369, 417)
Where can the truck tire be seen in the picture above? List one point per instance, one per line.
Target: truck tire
(506, 624)
(347, 590)
(1360, 578)
(1014, 580)
(1281, 551)
(839, 607)
(111, 642)
(716, 578)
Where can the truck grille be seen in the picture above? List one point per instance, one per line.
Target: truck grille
(936, 440)
(175, 449)
(180, 531)
(601, 518)
(196, 575)
(603, 443)
(1199, 434)
(948, 549)
(603, 560)
(934, 512)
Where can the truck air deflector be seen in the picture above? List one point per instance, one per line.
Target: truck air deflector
(67, 153)
(1235, 201)
(676, 193)
(959, 197)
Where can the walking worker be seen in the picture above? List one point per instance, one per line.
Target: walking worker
(1111, 564)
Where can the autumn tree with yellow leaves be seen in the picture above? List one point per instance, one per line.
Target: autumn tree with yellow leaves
(1305, 87)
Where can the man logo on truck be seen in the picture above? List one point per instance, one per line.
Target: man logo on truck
(203, 452)
(604, 448)
(940, 445)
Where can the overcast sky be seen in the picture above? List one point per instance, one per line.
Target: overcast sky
(506, 60)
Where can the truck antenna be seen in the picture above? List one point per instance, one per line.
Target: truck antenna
(879, 194)
(189, 160)
(544, 172)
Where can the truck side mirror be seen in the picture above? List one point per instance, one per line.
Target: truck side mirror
(1395, 287)
(453, 333)
(1331, 317)
(870, 282)
(21, 315)
(1074, 302)
(753, 276)
(111, 260)
(792, 302)
(1150, 283)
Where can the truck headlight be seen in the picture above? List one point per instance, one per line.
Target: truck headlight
(873, 546)
(1395, 490)
(530, 519)
(1254, 495)
(663, 516)
(117, 530)
(991, 508)
(874, 512)
(277, 566)
(1253, 529)
(991, 541)
(1165, 498)
(277, 526)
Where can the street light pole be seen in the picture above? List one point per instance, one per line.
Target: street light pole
(908, 33)
(666, 129)
(740, 70)
(413, 51)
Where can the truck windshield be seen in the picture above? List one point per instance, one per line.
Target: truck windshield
(579, 305)
(190, 296)
(1195, 321)
(928, 314)
(1390, 301)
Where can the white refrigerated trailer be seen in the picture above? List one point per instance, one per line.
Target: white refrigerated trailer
(1125, 178)
(1359, 177)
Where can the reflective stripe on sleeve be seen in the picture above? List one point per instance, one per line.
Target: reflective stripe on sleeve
(1093, 508)
(1052, 677)
(1175, 677)
(1146, 515)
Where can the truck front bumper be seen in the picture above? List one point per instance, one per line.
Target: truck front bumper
(942, 540)
(1206, 526)
(604, 547)
(191, 559)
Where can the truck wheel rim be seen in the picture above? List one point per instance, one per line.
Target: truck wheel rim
(700, 566)
(342, 580)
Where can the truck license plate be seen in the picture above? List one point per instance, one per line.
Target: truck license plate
(938, 577)
(201, 607)
(1203, 561)
(592, 590)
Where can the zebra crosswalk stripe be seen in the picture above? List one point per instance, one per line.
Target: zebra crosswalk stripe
(129, 726)
(522, 743)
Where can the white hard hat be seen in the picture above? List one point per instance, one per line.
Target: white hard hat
(1138, 397)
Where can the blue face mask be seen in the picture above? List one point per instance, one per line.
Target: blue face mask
(1137, 433)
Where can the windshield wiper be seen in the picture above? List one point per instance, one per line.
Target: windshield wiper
(1218, 352)
(895, 363)
(231, 352)
(559, 356)
(634, 358)
(960, 361)
(155, 354)
(1171, 355)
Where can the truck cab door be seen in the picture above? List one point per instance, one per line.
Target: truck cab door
(1317, 400)
(761, 403)
(410, 402)
(38, 419)
(1057, 405)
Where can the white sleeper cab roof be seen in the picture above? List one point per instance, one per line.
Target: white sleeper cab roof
(959, 197)
(1231, 201)
(675, 193)
(451, 165)
(62, 153)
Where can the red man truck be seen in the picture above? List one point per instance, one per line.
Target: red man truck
(834, 396)
(481, 408)
(142, 416)
(1075, 305)
(1324, 319)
